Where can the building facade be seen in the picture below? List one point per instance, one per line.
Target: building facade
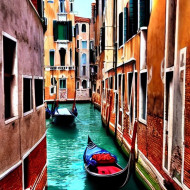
(22, 115)
(82, 28)
(143, 72)
(59, 50)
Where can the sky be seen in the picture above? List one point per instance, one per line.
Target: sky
(82, 8)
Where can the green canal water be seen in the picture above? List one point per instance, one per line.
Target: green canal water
(65, 148)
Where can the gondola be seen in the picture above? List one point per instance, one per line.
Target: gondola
(64, 116)
(105, 172)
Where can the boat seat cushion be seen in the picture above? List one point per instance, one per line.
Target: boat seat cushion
(104, 158)
(107, 169)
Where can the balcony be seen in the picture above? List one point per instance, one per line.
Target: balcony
(59, 68)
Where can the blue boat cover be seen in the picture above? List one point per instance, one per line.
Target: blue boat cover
(95, 150)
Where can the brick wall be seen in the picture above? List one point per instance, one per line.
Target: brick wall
(35, 163)
(187, 122)
(13, 181)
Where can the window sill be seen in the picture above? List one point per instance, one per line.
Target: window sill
(52, 94)
(27, 113)
(143, 121)
(120, 47)
(40, 106)
(11, 120)
(62, 41)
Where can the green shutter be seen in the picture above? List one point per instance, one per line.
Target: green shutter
(55, 34)
(62, 31)
(51, 58)
(133, 12)
(125, 23)
(144, 13)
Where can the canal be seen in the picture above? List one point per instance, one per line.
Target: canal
(65, 148)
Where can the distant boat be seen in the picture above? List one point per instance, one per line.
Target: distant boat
(63, 116)
(102, 166)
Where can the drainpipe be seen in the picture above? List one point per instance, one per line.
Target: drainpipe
(115, 61)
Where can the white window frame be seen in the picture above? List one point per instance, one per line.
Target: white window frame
(41, 78)
(65, 81)
(144, 121)
(51, 94)
(32, 94)
(63, 6)
(7, 121)
(81, 28)
(169, 129)
(71, 3)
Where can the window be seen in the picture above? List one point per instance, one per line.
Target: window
(110, 83)
(144, 8)
(50, 1)
(120, 29)
(102, 38)
(83, 61)
(83, 27)
(52, 90)
(83, 70)
(62, 30)
(10, 78)
(125, 24)
(143, 95)
(84, 84)
(51, 59)
(62, 84)
(39, 92)
(70, 57)
(91, 44)
(53, 81)
(77, 29)
(77, 85)
(78, 44)
(84, 44)
(27, 94)
(71, 7)
(133, 13)
(62, 6)
(94, 89)
(168, 118)
(62, 53)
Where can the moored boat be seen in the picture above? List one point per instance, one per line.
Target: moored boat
(102, 166)
(64, 117)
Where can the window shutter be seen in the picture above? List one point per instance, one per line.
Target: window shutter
(120, 29)
(103, 38)
(125, 23)
(55, 30)
(51, 58)
(133, 11)
(70, 31)
(144, 13)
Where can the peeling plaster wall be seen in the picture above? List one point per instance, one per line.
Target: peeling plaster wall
(21, 21)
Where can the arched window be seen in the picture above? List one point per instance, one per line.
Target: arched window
(83, 60)
(83, 27)
(62, 53)
(84, 84)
